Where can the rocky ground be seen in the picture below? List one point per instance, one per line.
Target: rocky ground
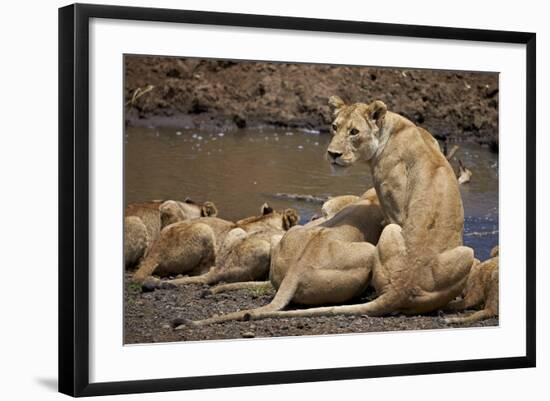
(151, 316)
(216, 93)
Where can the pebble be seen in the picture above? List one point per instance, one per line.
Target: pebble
(248, 334)
(148, 286)
(178, 322)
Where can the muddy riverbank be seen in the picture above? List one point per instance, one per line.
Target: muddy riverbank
(215, 94)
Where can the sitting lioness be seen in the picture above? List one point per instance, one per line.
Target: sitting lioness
(191, 247)
(419, 263)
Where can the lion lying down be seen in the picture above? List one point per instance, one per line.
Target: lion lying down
(143, 222)
(481, 290)
(362, 222)
(418, 264)
(192, 247)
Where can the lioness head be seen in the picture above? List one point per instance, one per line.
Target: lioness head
(270, 219)
(290, 218)
(174, 211)
(355, 131)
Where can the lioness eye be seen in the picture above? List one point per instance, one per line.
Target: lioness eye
(354, 131)
(334, 127)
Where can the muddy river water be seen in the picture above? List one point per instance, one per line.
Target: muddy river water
(240, 170)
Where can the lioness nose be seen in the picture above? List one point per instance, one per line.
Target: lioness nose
(334, 155)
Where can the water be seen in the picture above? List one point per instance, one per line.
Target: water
(240, 170)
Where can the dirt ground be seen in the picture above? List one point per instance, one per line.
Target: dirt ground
(197, 93)
(150, 317)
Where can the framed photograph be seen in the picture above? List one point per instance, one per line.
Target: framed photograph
(257, 199)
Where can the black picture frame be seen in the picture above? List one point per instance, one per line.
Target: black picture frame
(74, 198)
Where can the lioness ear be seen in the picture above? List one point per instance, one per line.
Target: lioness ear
(208, 209)
(290, 219)
(336, 103)
(266, 209)
(377, 111)
(190, 201)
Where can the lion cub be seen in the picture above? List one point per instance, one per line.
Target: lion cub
(481, 289)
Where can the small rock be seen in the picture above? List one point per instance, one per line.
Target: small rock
(173, 73)
(491, 91)
(178, 322)
(248, 334)
(148, 286)
(166, 326)
(166, 285)
(239, 121)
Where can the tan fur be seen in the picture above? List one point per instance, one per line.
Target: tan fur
(245, 254)
(337, 203)
(136, 240)
(481, 290)
(144, 215)
(192, 247)
(326, 262)
(173, 211)
(419, 263)
(154, 216)
(149, 214)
